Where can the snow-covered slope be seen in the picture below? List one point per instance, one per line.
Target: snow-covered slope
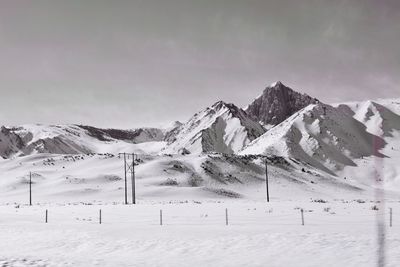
(95, 177)
(222, 128)
(76, 139)
(277, 103)
(382, 118)
(326, 137)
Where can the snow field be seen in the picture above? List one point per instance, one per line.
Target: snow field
(342, 213)
(335, 234)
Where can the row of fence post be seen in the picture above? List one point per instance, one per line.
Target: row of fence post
(390, 217)
(226, 217)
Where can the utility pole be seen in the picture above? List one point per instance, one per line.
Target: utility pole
(126, 184)
(266, 179)
(129, 167)
(30, 188)
(133, 180)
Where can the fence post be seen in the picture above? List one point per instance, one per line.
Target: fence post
(226, 217)
(391, 217)
(161, 223)
(100, 216)
(47, 215)
(302, 216)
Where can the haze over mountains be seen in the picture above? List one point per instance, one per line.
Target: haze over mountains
(224, 145)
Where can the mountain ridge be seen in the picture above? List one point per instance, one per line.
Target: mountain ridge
(331, 138)
(221, 127)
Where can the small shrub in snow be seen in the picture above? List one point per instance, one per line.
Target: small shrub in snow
(170, 182)
(226, 193)
(319, 201)
(360, 201)
(374, 207)
(176, 166)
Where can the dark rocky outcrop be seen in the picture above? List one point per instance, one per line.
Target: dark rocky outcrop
(277, 103)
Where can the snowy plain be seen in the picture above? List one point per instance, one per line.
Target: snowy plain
(335, 233)
(341, 217)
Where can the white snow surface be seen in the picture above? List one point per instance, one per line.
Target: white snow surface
(93, 177)
(335, 234)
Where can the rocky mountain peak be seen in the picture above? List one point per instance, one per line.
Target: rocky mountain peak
(229, 107)
(277, 103)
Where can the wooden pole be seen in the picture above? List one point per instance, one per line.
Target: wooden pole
(302, 216)
(161, 222)
(266, 179)
(100, 216)
(133, 180)
(391, 217)
(47, 215)
(126, 189)
(226, 217)
(30, 188)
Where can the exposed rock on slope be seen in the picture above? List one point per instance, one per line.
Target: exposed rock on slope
(10, 142)
(277, 103)
(222, 128)
(139, 135)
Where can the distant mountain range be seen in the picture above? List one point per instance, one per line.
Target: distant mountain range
(71, 139)
(280, 122)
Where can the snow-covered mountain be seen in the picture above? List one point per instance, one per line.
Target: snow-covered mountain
(341, 139)
(319, 149)
(324, 136)
(382, 118)
(73, 139)
(277, 103)
(222, 128)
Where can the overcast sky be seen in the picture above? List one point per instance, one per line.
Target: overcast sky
(133, 63)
